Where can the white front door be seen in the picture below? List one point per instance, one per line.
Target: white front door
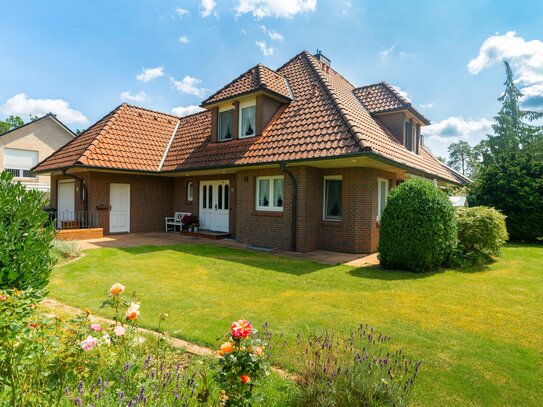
(215, 205)
(65, 201)
(119, 211)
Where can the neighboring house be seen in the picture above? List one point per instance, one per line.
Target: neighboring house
(22, 148)
(295, 158)
(459, 201)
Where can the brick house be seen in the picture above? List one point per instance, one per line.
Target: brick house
(295, 158)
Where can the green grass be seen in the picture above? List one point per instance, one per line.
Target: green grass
(479, 332)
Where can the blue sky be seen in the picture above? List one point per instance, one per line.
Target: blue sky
(80, 59)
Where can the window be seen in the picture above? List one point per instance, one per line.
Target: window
(332, 197)
(269, 194)
(383, 185)
(204, 197)
(409, 136)
(19, 162)
(190, 191)
(248, 121)
(225, 125)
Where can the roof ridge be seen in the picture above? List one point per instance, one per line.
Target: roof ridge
(149, 110)
(92, 145)
(228, 84)
(343, 112)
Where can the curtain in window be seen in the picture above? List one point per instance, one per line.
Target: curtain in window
(383, 190)
(278, 193)
(264, 192)
(333, 198)
(225, 125)
(248, 121)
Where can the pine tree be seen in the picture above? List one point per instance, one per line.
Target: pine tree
(512, 134)
(461, 157)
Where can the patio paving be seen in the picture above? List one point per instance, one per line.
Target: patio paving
(164, 239)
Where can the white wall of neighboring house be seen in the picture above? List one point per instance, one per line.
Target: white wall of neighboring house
(35, 141)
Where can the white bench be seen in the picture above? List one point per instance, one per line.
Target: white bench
(171, 223)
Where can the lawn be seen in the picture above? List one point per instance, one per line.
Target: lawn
(479, 332)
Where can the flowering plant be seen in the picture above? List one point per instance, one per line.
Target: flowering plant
(243, 365)
(189, 220)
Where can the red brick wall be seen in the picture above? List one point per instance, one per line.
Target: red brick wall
(269, 229)
(155, 197)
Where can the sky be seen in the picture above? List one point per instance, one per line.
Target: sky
(80, 59)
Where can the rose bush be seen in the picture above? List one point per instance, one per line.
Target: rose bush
(243, 366)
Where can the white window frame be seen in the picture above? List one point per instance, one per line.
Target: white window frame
(19, 169)
(243, 105)
(223, 110)
(270, 208)
(379, 186)
(190, 191)
(331, 178)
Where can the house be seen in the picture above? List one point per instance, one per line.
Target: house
(294, 158)
(23, 147)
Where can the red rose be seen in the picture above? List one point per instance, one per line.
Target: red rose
(245, 379)
(241, 329)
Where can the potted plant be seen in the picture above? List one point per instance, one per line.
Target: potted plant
(190, 222)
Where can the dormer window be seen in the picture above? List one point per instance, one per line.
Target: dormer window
(226, 119)
(247, 119)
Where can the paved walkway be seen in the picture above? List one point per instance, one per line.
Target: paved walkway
(164, 239)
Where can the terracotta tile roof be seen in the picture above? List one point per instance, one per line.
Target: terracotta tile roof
(129, 137)
(258, 77)
(324, 119)
(382, 97)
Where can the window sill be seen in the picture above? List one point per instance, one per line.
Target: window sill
(272, 214)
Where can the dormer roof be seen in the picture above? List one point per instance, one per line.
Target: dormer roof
(382, 98)
(258, 78)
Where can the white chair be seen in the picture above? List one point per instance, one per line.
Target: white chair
(173, 222)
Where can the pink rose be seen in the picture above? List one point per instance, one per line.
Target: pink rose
(3, 298)
(95, 327)
(88, 343)
(119, 330)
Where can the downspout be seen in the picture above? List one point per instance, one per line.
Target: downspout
(294, 204)
(83, 187)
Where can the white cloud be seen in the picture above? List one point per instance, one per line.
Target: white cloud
(207, 7)
(266, 51)
(388, 51)
(274, 35)
(275, 8)
(181, 12)
(138, 97)
(525, 57)
(186, 110)
(533, 97)
(189, 85)
(426, 105)
(347, 8)
(184, 39)
(440, 134)
(21, 105)
(149, 74)
(402, 92)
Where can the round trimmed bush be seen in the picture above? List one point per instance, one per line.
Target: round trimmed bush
(418, 228)
(481, 232)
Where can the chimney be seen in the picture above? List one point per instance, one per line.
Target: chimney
(322, 58)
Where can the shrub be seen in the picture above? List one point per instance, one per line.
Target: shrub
(418, 228)
(481, 233)
(25, 258)
(64, 250)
